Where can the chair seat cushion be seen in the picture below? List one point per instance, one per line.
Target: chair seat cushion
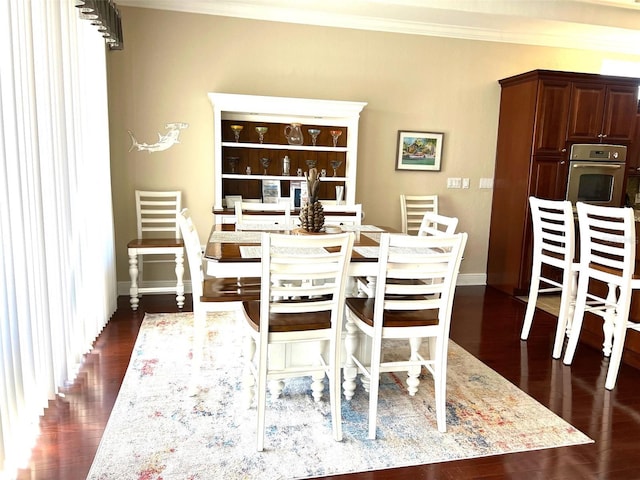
(156, 243)
(363, 309)
(287, 322)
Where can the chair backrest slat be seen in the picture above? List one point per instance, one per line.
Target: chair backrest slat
(304, 273)
(157, 212)
(249, 214)
(607, 241)
(413, 208)
(431, 263)
(434, 224)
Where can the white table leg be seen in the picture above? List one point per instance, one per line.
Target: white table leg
(133, 274)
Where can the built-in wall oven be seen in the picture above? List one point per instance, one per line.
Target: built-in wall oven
(596, 174)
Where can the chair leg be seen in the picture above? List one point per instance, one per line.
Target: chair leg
(374, 385)
(615, 359)
(440, 384)
(199, 323)
(565, 315)
(249, 383)
(180, 279)
(578, 317)
(531, 303)
(609, 320)
(261, 393)
(619, 335)
(335, 393)
(413, 373)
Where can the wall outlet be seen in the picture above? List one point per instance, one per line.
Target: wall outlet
(465, 183)
(486, 183)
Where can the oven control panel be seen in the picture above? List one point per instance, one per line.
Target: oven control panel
(598, 152)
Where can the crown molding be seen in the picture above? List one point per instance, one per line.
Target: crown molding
(603, 25)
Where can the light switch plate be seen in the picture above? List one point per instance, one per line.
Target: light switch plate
(455, 182)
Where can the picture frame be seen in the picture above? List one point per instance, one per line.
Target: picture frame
(419, 150)
(271, 191)
(298, 192)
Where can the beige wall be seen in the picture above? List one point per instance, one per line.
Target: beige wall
(172, 60)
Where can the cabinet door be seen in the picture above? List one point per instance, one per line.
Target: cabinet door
(549, 178)
(548, 181)
(633, 154)
(620, 110)
(552, 112)
(586, 112)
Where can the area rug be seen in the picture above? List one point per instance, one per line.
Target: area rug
(157, 431)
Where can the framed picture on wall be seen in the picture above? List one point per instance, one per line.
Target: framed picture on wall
(419, 151)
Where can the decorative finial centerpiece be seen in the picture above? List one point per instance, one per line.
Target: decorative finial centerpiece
(312, 212)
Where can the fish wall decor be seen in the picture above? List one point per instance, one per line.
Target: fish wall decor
(164, 141)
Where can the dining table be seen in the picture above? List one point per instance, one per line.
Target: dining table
(236, 253)
(232, 253)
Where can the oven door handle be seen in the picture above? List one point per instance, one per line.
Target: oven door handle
(614, 166)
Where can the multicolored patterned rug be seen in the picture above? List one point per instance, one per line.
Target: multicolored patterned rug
(158, 431)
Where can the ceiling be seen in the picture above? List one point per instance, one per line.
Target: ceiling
(607, 25)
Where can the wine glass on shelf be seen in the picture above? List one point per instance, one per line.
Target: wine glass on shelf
(335, 134)
(314, 132)
(335, 164)
(236, 131)
(265, 164)
(233, 161)
(261, 131)
(311, 163)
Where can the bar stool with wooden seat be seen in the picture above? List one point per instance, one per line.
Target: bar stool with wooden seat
(209, 294)
(158, 242)
(415, 311)
(607, 264)
(553, 266)
(301, 302)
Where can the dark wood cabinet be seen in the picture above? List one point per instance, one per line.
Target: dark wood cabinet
(633, 154)
(553, 110)
(542, 113)
(602, 113)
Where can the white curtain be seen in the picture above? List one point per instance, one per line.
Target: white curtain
(57, 258)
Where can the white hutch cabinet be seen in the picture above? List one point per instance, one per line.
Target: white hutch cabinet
(239, 169)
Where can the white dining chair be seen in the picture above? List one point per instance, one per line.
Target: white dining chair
(414, 311)
(301, 302)
(209, 294)
(263, 216)
(413, 208)
(606, 279)
(158, 242)
(553, 268)
(342, 214)
(434, 224)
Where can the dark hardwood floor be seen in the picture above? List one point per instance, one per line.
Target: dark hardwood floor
(486, 323)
